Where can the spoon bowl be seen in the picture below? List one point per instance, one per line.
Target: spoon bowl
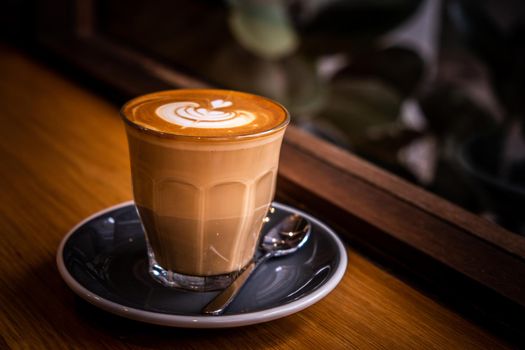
(287, 236)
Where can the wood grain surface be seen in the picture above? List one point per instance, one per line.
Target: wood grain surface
(63, 156)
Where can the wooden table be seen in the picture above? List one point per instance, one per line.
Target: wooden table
(63, 155)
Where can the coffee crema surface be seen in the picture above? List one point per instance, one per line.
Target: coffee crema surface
(207, 113)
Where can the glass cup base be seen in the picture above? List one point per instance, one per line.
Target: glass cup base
(194, 283)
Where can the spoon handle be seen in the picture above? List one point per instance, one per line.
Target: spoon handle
(219, 304)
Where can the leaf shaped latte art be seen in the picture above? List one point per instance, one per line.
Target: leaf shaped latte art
(192, 115)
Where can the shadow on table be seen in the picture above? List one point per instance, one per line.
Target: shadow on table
(142, 334)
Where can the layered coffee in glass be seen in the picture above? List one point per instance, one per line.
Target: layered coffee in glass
(203, 164)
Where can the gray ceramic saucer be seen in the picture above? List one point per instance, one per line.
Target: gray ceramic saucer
(103, 260)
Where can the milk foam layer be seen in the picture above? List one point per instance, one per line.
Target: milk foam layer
(206, 113)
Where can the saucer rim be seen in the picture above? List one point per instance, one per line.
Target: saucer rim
(187, 321)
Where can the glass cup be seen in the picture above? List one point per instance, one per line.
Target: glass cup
(202, 197)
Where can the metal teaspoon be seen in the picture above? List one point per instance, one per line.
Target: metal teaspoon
(284, 238)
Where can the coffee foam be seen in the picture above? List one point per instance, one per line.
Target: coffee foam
(205, 113)
(191, 114)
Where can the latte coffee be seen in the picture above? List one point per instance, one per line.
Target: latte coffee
(203, 165)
